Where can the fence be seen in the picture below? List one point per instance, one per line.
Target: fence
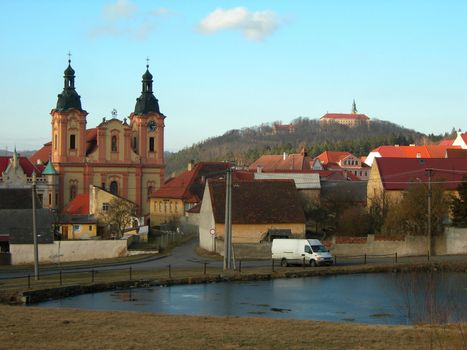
(207, 268)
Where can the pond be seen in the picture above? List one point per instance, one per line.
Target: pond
(378, 298)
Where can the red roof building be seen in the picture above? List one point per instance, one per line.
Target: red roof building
(181, 193)
(412, 151)
(348, 119)
(78, 205)
(394, 175)
(272, 162)
(345, 162)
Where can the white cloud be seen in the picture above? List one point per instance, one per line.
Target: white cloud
(122, 8)
(163, 11)
(124, 19)
(253, 25)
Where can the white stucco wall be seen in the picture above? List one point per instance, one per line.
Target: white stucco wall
(66, 251)
(206, 222)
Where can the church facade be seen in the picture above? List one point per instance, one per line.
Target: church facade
(125, 157)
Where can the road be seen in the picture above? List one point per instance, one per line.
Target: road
(184, 256)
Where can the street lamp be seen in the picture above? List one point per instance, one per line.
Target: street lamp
(34, 229)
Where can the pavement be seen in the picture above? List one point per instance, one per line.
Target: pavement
(185, 256)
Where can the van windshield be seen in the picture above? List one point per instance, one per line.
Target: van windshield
(319, 249)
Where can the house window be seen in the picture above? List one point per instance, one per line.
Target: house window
(76, 228)
(151, 144)
(105, 206)
(114, 187)
(113, 146)
(72, 141)
(176, 207)
(160, 207)
(170, 207)
(90, 228)
(73, 191)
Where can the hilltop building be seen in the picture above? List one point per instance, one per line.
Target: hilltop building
(126, 158)
(349, 119)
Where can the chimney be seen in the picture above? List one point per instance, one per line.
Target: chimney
(190, 165)
(259, 169)
(284, 156)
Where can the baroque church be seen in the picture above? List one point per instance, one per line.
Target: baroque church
(125, 157)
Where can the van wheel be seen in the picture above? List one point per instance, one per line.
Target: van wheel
(312, 263)
(284, 262)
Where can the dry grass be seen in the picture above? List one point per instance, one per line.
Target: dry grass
(36, 328)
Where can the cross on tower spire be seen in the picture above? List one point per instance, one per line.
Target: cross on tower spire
(69, 57)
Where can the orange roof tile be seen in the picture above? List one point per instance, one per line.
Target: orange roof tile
(78, 205)
(43, 154)
(328, 157)
(189, 185)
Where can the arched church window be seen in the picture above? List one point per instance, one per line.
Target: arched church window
(151, 144)
(114, 143)
(73, 191)
(114, 187)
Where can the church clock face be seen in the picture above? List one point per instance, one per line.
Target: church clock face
(152, 126)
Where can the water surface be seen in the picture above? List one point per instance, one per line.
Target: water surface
(382, 298)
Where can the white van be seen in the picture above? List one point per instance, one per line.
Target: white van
(292, 251)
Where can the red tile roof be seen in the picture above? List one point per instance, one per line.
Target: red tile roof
(43, 154)
(426, 151)
(189, 185)
(298, 161)
(398, 173)
(446, 142)
(345, 116)
(334, 157)
(78, 205)
(258, 202)
(24, 163)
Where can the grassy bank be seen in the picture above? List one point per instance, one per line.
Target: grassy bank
(35, 328)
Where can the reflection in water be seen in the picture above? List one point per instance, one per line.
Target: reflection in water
(366, 298)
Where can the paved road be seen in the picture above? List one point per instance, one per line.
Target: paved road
(185, 256)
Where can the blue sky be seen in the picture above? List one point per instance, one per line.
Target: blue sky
(221, 65)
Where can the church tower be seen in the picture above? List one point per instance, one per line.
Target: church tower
(68, 123)
(147, 124)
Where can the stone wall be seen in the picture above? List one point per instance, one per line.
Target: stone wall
(454, 241)
(66, 251)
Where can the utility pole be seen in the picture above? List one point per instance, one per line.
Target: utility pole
(429, 170)
(228, 221)
(34, 228)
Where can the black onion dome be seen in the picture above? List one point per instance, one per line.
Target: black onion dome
(69, 98)
(147, 102)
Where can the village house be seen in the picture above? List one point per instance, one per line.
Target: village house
(180, 194)
(260, 209)
(390, 177)
(345, 162)
(19, 172)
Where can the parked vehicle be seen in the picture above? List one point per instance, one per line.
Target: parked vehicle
(293, 251)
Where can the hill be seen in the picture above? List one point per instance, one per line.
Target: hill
(246, 145)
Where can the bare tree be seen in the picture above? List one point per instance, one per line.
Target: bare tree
(119, 216)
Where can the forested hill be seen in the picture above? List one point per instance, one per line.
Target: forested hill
(246, 145)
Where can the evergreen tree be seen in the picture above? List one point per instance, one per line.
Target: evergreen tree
(459, 205)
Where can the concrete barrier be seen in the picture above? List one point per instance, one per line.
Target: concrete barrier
(66, 251)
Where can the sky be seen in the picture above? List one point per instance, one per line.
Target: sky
(222, 65)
